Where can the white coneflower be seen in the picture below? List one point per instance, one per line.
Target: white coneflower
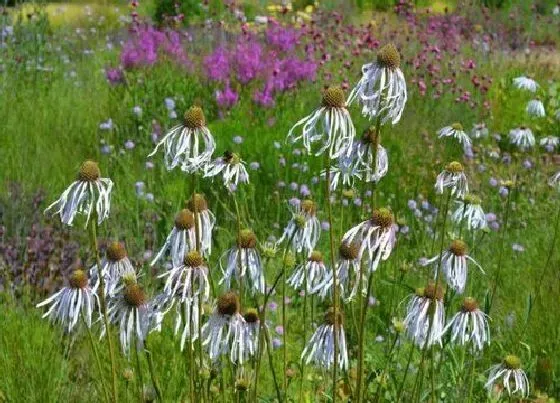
(525, 83)
(479, 131)
(320, 348)
(454, 178)
(114, 267)
(244, 263)
(549, 143)
(382, 89)
(364, 155)
(230, 166)
(180, 240)
(185, 287)
(303, 229)
(456, 131)
(535, 108)
(225, 331)
(330, 126)
(506, 372)
(311, 274)
(454, 265)
(470, 210)
(522, 137)
(345, 171)
(89, 191)
(348, 263)
(205, 222)
(252, 327)
(128, 309)
(424, 304)
(183, 143)
(66, 306)
(377, 236)
(469, 325)
(554, 180)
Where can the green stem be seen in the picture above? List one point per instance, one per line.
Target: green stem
(551, 250)
(95, 248)
(153, 376)
(140, 382)
(97, 360)
(335, 275)
(390, 356)
(408, 361)
(361, 335)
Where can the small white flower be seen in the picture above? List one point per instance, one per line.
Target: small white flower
(507, 372)
(382, 89)
(470, 325)
(225, 332)
(182, 144)
(554, 180)
(244, 262)
(231, 167)
(454, 265)
(180, 240)
(419, 313)
(320, 348)
(330, 126)
(377, 236)
(456, 131)
(549, 142)
(522, 137)
(310, 275)
(303, 229)
(535, 108)
(454, 178)
(66, 306)
(115, 267)
(479, 131)
(364, 157)
(471, 211)
(345, 171)
(89, 191)
(526, 83)
(129, 310)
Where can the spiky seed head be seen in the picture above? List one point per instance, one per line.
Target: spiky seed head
(308, 207)
(193, 259)
(315, 256)
(458, 247)
(269, 251)
(508, 184)
(231, 158)
(197, 203)
(431, 291)
(289, 260)
(251, 315)
(128, 374)
(472, 199)
(382, 217)
(78, 279)
(242, 384)
(129, 278)
(116, 251)
(348, 193)
(228, 303)
(469, 304)
(184, 220)
(523, 127)
(419, 292)
(389, 57)
(194, 117)
(333, 97)
(246, 239)
(134, 295)
(299, 220)
(329, 316)
(512, 361)
(399, 325)
(454, 167)
(349, 251)
(89, 171)
(457, 126)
